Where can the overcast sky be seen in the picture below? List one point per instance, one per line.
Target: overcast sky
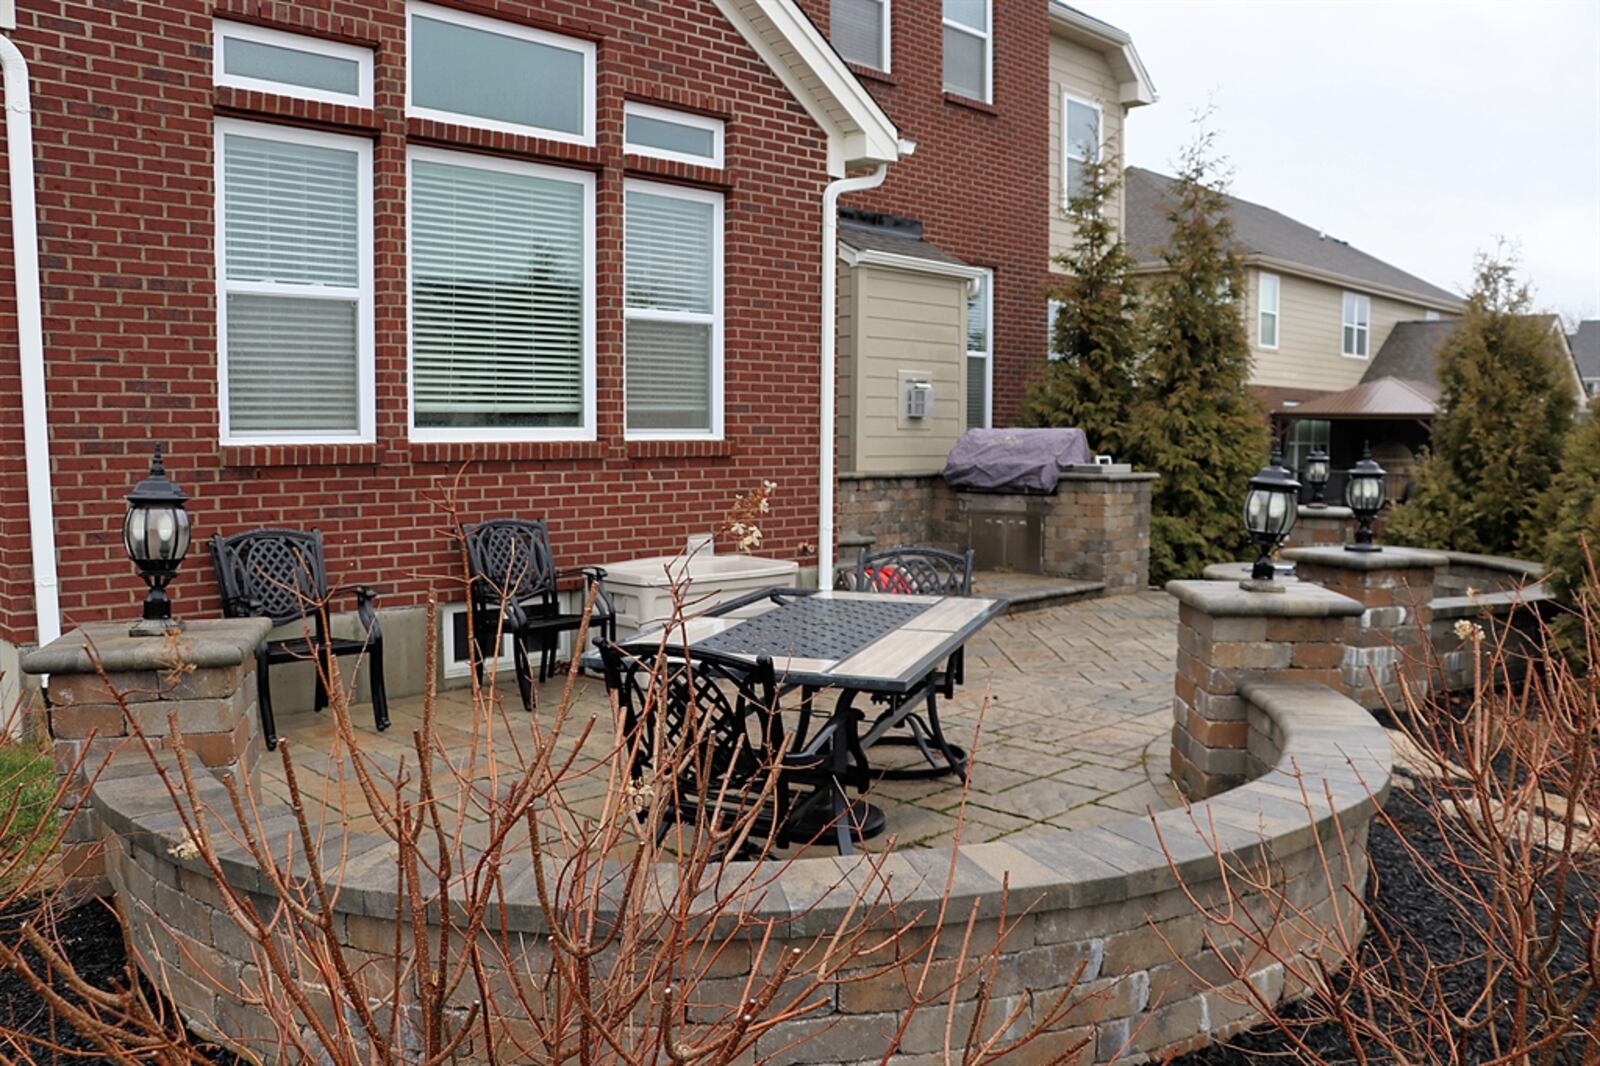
(1417, 131)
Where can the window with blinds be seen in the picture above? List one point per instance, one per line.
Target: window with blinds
(295, 281)
(980, 351)
(859, 31)
(502, 299)
(672, 284)
(967, 48)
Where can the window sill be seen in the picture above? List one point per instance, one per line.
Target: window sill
(871, 73)
(970, 104)
(255, 455)
(680, 449)
(505, 451)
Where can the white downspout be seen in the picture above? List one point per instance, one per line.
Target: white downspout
(830, 309)
(30, 340)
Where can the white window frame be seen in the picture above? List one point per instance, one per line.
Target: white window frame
(988, 370)
(504, 28)
(717, 319)
(987, 36)
(1067, 158)
(363, 292)
(585, 431)
(1430, 315)
(715, 126)
(887, 55)
(1275, 312)
(222, 29)
(1364, 330)
(451, 667)
(1053, 308)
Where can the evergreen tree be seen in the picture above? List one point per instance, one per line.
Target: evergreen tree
(1507, 401)
(1094, 336)
(1569, 524)
(1194, 422)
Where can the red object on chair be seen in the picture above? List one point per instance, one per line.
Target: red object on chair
(889, 579)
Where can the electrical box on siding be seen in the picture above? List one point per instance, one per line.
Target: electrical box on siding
(918, 399)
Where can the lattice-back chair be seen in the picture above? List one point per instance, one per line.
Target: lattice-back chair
(718, 718)
(515, 592)
(282, 574)
(918, 571)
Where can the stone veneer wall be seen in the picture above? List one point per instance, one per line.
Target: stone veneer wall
(1096, 525)
(1106, 898)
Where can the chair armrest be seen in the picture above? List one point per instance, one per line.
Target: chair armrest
(365, 596)
(594, 577)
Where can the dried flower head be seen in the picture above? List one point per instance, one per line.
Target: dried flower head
(1472, 631)
(187, 848)
(743, 520)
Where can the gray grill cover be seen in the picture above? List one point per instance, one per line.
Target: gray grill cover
(1014, 460)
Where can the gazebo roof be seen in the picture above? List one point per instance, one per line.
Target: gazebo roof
(1384, 398)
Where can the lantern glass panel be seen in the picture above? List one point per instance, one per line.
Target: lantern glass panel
(1364, 493)
(1317, 471)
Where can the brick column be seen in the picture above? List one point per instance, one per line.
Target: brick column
(1395, 589)
(1321, 527)
(1098, 529)
(1226, 636)
(207, 677)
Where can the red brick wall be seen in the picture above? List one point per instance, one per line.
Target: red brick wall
(124, 103)
(980, 178)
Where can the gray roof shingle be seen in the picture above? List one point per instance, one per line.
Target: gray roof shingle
(878, 239)
(1262, 231)
(1411, 351)
(1586, 348)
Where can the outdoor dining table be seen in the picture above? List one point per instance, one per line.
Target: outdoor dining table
(870, 644)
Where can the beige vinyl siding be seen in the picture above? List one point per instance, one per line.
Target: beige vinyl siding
(845, 383)
(903, 324)
(1087, 75)
(1310, 320)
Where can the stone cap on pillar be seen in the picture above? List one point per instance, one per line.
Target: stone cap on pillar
(1327, 510)
(206, 644)
(1390, 558)
(1225, 599)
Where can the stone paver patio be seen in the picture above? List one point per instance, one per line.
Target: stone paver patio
(1075, 695)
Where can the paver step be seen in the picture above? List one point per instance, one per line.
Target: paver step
(1032, 592)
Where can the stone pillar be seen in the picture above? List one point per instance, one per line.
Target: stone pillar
(1321, 527)
(206, 675)
(1098, 529)
(1227, 636)
(1395, 589)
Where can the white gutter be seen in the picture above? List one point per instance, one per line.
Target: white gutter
(30, 340)
(830, 285)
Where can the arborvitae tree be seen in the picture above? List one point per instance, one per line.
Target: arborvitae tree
(1568, 524)
(1506, 404)
(1194, 422)
(1094, 335)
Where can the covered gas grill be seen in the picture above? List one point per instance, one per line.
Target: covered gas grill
(1011, 474)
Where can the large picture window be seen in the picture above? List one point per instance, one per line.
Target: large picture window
(498, 75)
(980, 351)
(294, 302)
(859, 30)
(1357, 324)
(672, 244)
(502, 299)
(968, 52)
(1080, 138)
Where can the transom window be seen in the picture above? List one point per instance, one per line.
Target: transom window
(1081, 139)
(980, 351)
(672, 247)
(1267, 310)
(1357, 324)
(499, 76)
(294, 279)
(291, 64)
(968, 51)
(860, 31)
(663, 133)
(502, 299)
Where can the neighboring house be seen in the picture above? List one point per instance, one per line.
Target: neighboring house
(1317, 310)
(1585, 345)
(945, 266)
(1394, 405)
(345, 258)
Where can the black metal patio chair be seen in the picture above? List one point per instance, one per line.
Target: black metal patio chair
(717, 718)
(282, 574)
(917, 571)
(515, 593)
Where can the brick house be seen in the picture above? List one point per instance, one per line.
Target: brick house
(946, 266)
(343, 257)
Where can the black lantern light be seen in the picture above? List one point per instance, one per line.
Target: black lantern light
(1270, 507)
(1364, 494)
(156, 534)
(1317, 475)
